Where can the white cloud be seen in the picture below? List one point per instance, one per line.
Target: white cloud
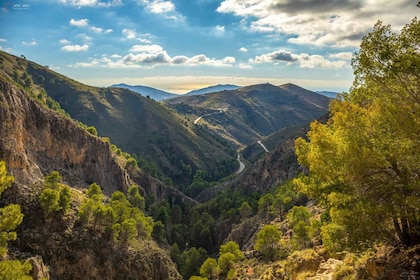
(146, 48)
(109, 31)
(92, 3)
(84, 37)
(341, 55)
(303, 59)
(96, 29)
(80, 22)
(2, 40)
(275, 57)
(65, 42)
(30, 44)
(163, 7)
(315, 61)
(75, 48)
(322, 23)
(129, 33)
(159, 6)
(242, 49)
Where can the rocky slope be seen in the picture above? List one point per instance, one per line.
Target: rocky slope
(35, 141)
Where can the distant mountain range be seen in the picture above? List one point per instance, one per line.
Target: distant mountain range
(211, 89)
(330, 94)
(160, 95)
(145, 91)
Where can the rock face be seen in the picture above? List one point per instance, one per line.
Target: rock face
(36, 141)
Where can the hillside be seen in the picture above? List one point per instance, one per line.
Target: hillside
(35, 141)
(145, 91)
(249, 113)
(136, 124)
(211, 89)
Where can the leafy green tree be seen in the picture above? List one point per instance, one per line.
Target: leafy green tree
(131, 164)
(55, 196)
(364, 161)
(226, 262)
(6, 180)
(49, 199)
(128, 230)
(268, 242)
(192, 260)
(10, 218)
(159, 233)
(15, 270)
(209, 269)
(92, 130)
(135, 198)
(233, 248)
(53, 180)
(265, 203)
(245, 210)
(64, 198)
(95, 192)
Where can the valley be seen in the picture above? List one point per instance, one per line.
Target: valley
(253, 182)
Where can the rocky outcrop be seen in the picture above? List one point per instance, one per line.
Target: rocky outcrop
(36, 141)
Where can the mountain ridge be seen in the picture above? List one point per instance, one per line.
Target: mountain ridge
(253, 111)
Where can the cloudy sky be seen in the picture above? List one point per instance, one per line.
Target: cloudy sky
(179, 45)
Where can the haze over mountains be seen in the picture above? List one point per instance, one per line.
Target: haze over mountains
(159, 95)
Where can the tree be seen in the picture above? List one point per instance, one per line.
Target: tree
(135, 198)
(233, 248)
(10, 218)
(268, 242)
(226, 262)
(49, 199)
(55, 196)
(364, 161)
(209, 269)
(14, 269)
(245, 210)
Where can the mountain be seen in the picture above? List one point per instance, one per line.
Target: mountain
(138, 125)
(210, 89)
(153, 93)
(36, 140)
(245, 115)
(330, 94)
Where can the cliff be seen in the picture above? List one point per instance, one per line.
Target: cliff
(34, 141)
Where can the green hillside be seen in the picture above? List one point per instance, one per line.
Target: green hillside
(138, 125)
(253, 111)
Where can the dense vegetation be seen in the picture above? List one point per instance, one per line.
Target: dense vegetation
(364, 162)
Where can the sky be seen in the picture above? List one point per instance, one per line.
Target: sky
(181, 45)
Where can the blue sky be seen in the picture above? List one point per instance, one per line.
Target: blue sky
(180, 45)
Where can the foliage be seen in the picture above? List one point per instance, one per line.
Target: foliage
(55, 196)
(15, 270)
(233, 248)
(191, 260)
(118, 218)
(305, 228)
(268, 242)
(92, 130)
(209, 269)
(10, 218)
(364, 161)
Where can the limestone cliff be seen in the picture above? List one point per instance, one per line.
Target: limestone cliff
(36, 141)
